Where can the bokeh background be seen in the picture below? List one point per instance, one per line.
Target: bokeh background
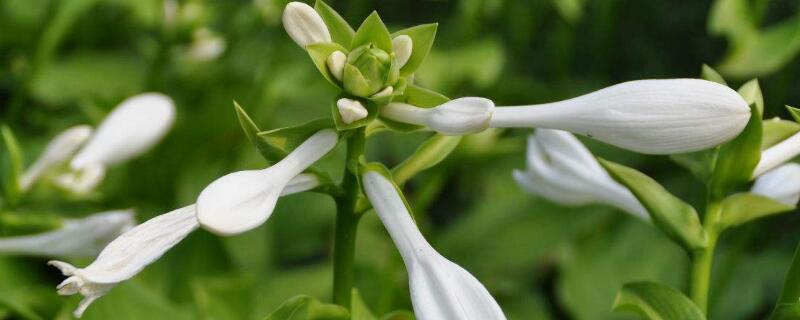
(68, 62)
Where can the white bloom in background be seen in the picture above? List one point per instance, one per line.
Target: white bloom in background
(778, 154)
(58, 151)
(648, 116)
(130, 130)
(440, 289)
(562, 170)
(243, 200)
(455, 117)
(351, 110)
(304, 25)
(76, 238)
(402, 46)
(781, 184)
(206, 46)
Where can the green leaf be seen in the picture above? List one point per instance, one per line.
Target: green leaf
(776, 130)
(341, 31)
(786, 311)
(399, 315)
(740, 208)
(319, 53)
(570, 10)
(791, 286)
(419, 97)
(710, 74)
(427, 155)
(656, 302)
(762, 52)
(304, 307)
(276, 144)
(751, 92)
(359, 309)
(676, 218)
(372, 113)
(700, 163)
(12, 169)
(422, 37)
(795, 112)
(249, 127)
(372, 30)
(737, 158)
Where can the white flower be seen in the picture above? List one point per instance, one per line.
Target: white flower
(131, 129)
(76, 238)
(647, 116)
(455, 117)
(243, 200)
(336, 62)
(402, 46)
(562, 170)
(206, 46)
(440, 289)
(781, 184)
(778, 154)
(351, 110)
(304, 25)
(126, 256)
(58, 151)
(385, 92)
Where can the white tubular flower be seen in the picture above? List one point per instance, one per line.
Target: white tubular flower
(351, 110)
(336, 62)
(243, 200)
(562, 170)
(59, 150)
(126, 256)
(455, 117)
(778, 154)
(304, 25)
(402, 46)
(301, 183)
(648, 116)
(440, 289)
(781, 184)
(76, 238)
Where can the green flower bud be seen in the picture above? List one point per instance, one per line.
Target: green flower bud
(368, 71)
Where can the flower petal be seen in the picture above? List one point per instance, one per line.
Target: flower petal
(778, 154)
(59, 150)
(455, 117)
(304, 25)
(781, 184)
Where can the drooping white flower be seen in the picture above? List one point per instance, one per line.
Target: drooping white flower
(778, 154)
(76, 238)
(440, 289)
(351, 110)
(243, 200)
(304, 25)
(58, 151)
(781, 184)
(455, 117)
(126, 256)
(648, 116)
(402, 46)
(562, 170)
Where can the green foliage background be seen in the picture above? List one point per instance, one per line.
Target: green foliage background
(69, 62)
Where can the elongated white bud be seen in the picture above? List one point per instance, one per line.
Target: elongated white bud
(778, 154)
(455, 117)
(304, 25)
(648, 116)
(243, 200)
(58, 151)
(781, 184)
(440, 289)
(351, 110)
(336, 62)
(402, 47)
(562, 170)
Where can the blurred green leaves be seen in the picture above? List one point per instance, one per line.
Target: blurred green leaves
(656, 302)
(308, 308)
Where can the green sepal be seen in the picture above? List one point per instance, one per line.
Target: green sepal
(428, 154)
(319, 53)
(341, 31)
(11, 169)
(737, 158)
(677, 219)
(422, 37)
(786, 311)
(356, 84)
(744, 207)
(794, 112)
(751, 92)
(419, 97)
(372, 111)
(372, 30)
(710, 74)
(699, 163)
(303, 307)
(656, 301)
(776, 130)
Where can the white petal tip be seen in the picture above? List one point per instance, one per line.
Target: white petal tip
(304, 25)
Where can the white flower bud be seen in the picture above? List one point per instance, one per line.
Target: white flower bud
(351, 110)
(59, 150)
(647, 116)
(455, 117)
(402, 46)
(336, 62)
(243, 200)
(440, 289)
(384, 93)
(781, 184)
(304, 25)
(778, 154)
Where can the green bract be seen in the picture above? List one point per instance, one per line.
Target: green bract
(369, 70)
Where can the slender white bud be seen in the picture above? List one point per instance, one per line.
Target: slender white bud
(781, 184)
(778, 154)
(562, 170)
(647, 116)
(58, 151)
(243, 200)
(402, 47)
(455, 117)
(351, 110)
(336, 62)
(304, 25)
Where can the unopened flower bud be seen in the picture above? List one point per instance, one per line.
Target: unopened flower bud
(336, 62)
(368, 70)
(304, 25)
(351, 110)
(402, 46)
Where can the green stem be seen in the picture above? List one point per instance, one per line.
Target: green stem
(347, 218)
(703, 259)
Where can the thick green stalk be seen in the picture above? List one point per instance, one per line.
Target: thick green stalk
(703, 259)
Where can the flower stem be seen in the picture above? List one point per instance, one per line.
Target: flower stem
(347, 223)
(703, 259)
